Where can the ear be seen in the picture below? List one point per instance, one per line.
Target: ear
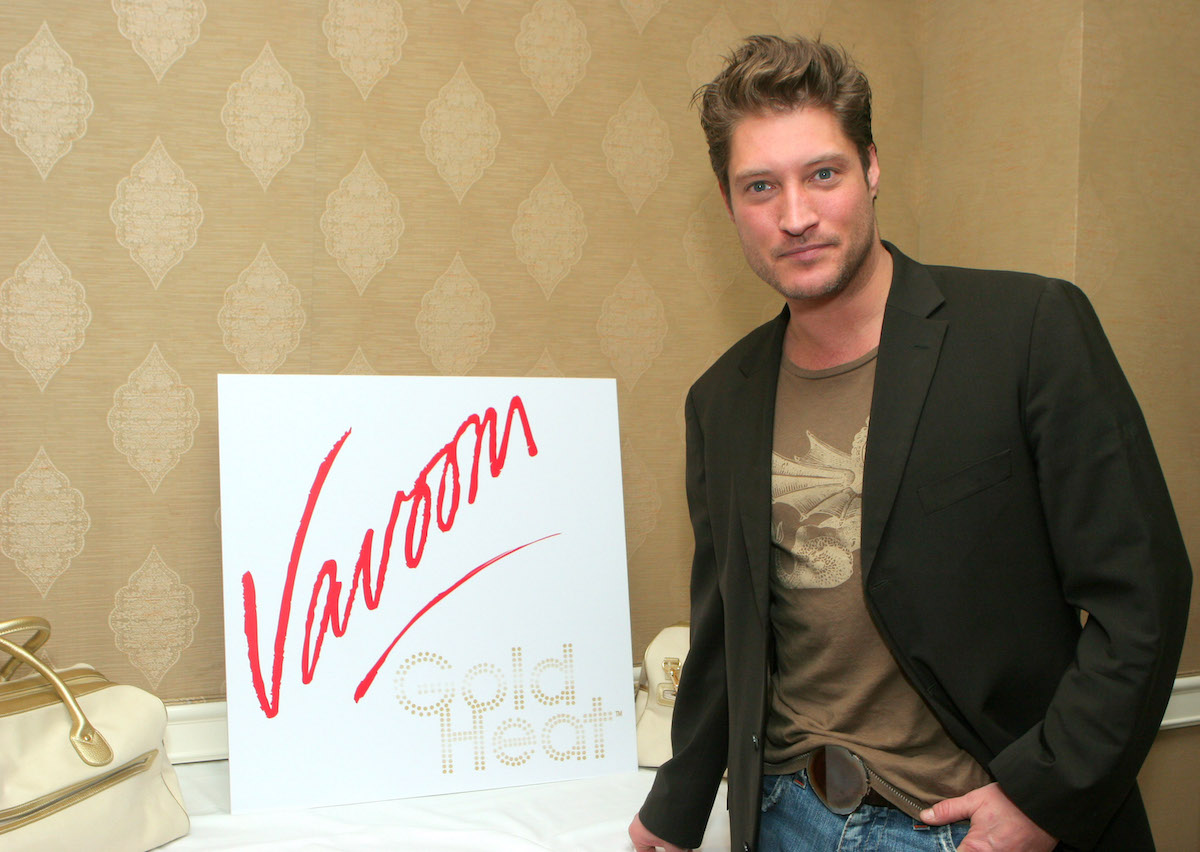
(873, 172)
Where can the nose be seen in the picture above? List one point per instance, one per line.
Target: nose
(796, 214)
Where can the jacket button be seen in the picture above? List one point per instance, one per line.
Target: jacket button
(754, 741)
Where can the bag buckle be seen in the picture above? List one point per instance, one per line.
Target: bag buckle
(667, 691)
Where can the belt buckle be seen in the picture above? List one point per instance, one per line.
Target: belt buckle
(838, 777)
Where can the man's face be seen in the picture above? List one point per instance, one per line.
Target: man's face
(800, 200)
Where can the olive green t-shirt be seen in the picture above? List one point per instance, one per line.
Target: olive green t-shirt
(834, 679)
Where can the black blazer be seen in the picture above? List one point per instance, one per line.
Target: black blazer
(1009, 484)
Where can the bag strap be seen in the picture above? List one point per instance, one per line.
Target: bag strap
(41, 632)
(88, 743)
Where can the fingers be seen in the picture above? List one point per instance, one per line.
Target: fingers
(948, 811)
(996, 823)
(646, 841)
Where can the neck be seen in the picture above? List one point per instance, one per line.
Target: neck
(827, 332)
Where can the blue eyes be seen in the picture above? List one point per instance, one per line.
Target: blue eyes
(825, 175)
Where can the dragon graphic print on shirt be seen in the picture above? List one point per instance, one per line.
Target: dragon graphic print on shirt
(820, 498)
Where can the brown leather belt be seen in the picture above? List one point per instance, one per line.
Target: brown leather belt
(873, 798)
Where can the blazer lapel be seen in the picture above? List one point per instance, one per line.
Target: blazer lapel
(752, 419)
(909, 346)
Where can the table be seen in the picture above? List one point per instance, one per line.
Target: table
(589, 815)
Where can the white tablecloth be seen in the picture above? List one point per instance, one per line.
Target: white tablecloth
(590, 815)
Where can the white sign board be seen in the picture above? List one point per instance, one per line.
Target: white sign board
(424, 583)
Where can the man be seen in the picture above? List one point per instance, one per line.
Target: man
(905, 491)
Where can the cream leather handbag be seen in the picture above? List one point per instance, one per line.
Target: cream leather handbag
(655, 700)
(82, 764)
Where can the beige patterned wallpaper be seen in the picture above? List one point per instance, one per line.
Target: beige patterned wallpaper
(492, 187)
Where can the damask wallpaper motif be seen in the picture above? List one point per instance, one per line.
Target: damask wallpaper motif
(42, 522)
(160, 33)
(47, 314)
(156, 213)
(45, 101)
(362, 224)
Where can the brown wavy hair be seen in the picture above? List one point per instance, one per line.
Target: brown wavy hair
(768, 73)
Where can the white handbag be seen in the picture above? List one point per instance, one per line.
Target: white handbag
(82, 764)
(657, 685)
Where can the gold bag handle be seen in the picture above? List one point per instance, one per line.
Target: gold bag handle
(41, 632)
(88, 743)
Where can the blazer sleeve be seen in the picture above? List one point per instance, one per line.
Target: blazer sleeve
(681, 799)
(1122, 561)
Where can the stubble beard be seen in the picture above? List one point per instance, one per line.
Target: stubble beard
(859, 248)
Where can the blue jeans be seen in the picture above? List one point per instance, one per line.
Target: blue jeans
(795, 820)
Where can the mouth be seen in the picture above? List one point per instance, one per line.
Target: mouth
(804, 253)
